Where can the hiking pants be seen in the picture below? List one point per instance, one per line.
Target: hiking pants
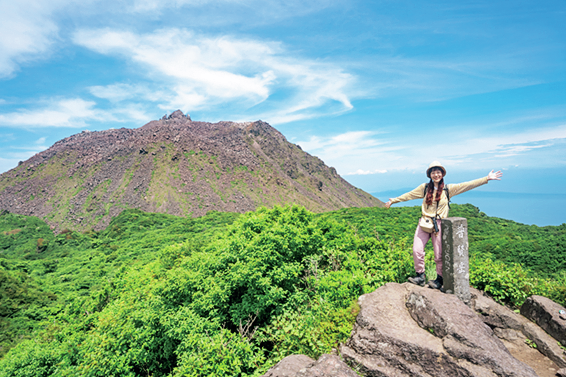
(421, 238)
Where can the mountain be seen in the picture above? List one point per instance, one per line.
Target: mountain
(173, 165)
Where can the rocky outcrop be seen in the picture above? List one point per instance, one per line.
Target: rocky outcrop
(176, 166)
(549, 315)
(406, 330)
(304, 366)
(509, 326)
(290, 366)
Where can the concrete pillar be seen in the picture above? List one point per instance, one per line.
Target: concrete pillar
(455, 262)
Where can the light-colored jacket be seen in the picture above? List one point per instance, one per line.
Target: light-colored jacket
(431, 210)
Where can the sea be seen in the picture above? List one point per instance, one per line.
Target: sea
(537, 209)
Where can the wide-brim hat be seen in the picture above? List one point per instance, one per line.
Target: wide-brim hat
(435, 164)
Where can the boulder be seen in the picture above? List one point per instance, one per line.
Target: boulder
(289, 366)
(504, 321)
(547, 314)
(406, 330)
(304, 366)
(328, 366)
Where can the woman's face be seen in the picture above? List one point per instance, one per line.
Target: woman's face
(436, 175)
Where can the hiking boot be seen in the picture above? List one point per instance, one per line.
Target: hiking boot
(437, 283)
(420, 279)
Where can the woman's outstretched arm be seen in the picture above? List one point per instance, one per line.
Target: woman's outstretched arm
(417, 193)
(459, 188)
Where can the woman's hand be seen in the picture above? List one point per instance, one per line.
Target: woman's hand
(494, 176)
(388, 204)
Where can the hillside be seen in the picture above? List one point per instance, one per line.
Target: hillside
(175, 166)
(133, 282)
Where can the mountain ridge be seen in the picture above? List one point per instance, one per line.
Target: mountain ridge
(173, 165)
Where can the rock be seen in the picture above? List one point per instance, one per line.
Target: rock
(561, 372)
(546, 313)
(503, 319)
(290, 366)
(328, 366)
(406, 330)
(177, 114)
(304, 366)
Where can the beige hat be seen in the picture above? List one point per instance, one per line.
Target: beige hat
(435, 164)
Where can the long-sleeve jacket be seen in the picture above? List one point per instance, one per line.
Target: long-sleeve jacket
(431, 210)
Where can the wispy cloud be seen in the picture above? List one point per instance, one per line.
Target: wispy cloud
(231, 11)
(200, 72)
(27, 32)
(343, 144)
(121, 92)
(14, 154)
(374, 153)
(441, 77)
(62, 113)
(69, 112)
(366, 172)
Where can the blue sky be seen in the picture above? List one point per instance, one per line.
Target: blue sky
(377, 89)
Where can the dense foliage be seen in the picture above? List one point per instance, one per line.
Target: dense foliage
(227, 294)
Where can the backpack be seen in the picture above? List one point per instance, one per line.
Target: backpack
(445, 191)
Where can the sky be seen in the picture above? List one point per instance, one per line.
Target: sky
(376, 89)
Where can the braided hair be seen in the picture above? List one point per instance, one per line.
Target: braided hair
(430, 191)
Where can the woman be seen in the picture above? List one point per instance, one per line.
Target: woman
(435, 205)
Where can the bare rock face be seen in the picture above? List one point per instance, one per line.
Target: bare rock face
(548, 315)
(406, 330)
(328, 366)
(304, 366)
(173, 165)
(290, 366)
(510, 326)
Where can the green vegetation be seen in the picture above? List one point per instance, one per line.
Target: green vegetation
(227, 294)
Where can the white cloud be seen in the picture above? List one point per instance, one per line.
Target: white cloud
(363, 152)
(207, 66)
(27, 32)
(63, 113)
(201, 72)
(366, 172)
(346, 142)
(72, 113)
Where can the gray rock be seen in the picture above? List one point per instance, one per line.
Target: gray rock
(289, 366)
(406, 330)
(503, 319)
(561, 372)
(177, 114)
(328, 366)
(546, 313)
(304, 366)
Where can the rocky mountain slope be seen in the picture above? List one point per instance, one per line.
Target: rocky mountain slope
(176, 166)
